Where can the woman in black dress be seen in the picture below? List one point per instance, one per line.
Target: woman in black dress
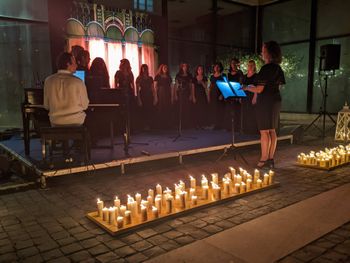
(200, 98)
(215, 99)
(163, 87)
(268, 106)
(146, 95)
(234, 73)
(248, 104)
(184, 92)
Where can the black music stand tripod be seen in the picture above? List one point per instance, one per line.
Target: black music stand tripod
(179, 127)
(323, 110)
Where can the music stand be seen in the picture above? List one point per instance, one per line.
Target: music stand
(231, 91)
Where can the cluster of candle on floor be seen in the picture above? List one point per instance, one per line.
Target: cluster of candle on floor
(326, 159)
(165, 201)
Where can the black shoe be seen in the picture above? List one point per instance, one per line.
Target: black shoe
(271, 163)
(262, 164)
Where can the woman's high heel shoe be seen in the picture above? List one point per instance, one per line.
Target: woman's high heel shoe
(271, 163)
(261, 164)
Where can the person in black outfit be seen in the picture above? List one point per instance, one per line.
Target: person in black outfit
(268, 106)
(234, 73)
(146, 95)
(200, 98)
(248, 104)
(215, 99)
(164, 94)
(184, 92)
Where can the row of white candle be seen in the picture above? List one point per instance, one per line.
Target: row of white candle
(140, 210)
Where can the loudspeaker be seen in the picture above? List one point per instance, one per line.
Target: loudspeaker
(330, 57)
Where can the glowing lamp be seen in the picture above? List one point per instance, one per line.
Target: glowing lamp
(342, 132)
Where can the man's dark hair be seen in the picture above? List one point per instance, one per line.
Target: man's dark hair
(63, 59)
(274, 51)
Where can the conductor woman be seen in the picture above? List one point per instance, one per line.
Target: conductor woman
(268, 105)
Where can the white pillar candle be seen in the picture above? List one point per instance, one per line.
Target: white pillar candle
(271, 176)
(249, 176)
(138, 199)
(182, 185)
(237, 188)
(249, 184)
(192, 182)
(232, 171)
(228, 176)
(227, 187)
(155, 213)
(244, 177)
(143, 213)
(111, 215)
(122, 210)
(158, 203)
(215, 178)
(177, 189)
(105, 214)
(216, 192)
(159, 189)
(151, 193)
(117, 202)
(169, 204)
(194, 200)
(182, 200)
(127, 217)
(204, 181)
(100, 205)
(192, 192)
(120, 222)
(259, 183)
(146, 204)
(266, 179)
(243, 188)
(241, 171)
(238, 179)
(205, 192)
(150, 200)
(256, 176)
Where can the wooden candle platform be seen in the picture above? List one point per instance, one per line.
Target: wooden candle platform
(176, 212)
(321, 168)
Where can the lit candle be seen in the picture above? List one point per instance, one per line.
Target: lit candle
(117, 202)
(146, 204)
(151, 193)
(155, 212)
(194, 200)
(271, 176)
(143, 213)
(111, 215)
(244, 177)
(204, 181)
(122, 210)
(169, 204)
(205, 192)
(105, 214)
(120, 222)
(100, 205)
(243, 188)
(215, 178)
(266, 179)
(237, 188)
(182, 185)
(159, 189)
(182, 200)
(192, 182)
(249, 184)
(227, 187)
(192, 192)
(228, 176)
(256, 176)
(127, 217)
(177, 189)
(232, 171)
(216, 192)
(158, 203)
(241, 171)
(259, 183)
(132, 206)
(138, 199)
(150, 200)
(238, 179)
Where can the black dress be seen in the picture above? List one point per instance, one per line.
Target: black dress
(201, 105)
(268, 105)
(146, 95)
(183, 94)
(164, 100)
(217, 103)
(248, 109)
(237, 77)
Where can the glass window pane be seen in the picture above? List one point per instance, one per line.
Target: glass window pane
(150, 5)
(338, 87)
(333, 18)
(135, 3)
(25, 62)
(287, 21)
(24, 9)
(294, 93)
(142, 4)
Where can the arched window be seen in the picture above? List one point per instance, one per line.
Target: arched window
(144, 5)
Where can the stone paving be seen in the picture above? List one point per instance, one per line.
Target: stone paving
(50, 225)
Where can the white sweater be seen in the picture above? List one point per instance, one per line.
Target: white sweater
(66, 98)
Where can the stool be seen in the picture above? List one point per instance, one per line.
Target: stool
(65, 133)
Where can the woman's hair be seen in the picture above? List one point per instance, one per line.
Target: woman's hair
(252, 61)
(234, 60)
(160, 70)
(144, 70)
(181, 72)
(218, 63)
(125, 66)
(196, 70)
(274, 51)
(83, 57)
(63, 60)
(99, 68)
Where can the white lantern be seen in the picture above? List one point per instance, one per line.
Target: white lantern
(342, 132)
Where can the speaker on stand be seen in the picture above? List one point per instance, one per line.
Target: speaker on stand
(329, 62)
